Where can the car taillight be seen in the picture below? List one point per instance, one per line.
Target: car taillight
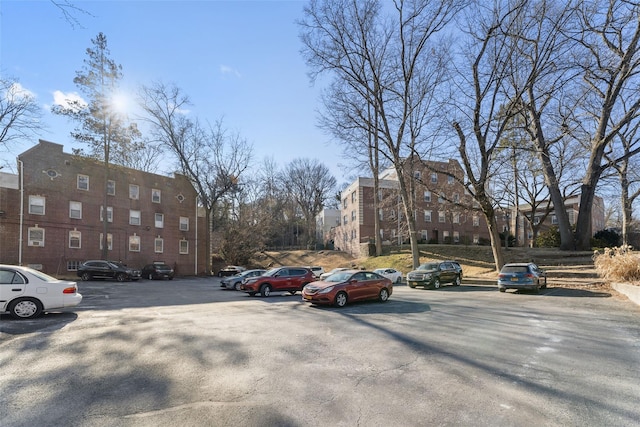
(71, 290)
(529, 276)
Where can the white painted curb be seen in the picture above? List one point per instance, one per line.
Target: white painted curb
(631, 291)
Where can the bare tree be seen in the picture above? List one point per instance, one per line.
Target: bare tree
(20, 113)
(394, 65)
(309, 183)
(211, 157)
(609, 66)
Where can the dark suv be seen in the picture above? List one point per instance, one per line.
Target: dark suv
(433, 274)
(98, 269)
(291, 279)
(157, 270)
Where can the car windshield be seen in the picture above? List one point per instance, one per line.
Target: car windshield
(379, 270)
(341, 276)
(272, 272)
(429, 266)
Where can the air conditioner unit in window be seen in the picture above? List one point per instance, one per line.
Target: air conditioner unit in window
(35, 243)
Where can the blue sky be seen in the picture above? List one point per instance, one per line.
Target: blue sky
(237, 60)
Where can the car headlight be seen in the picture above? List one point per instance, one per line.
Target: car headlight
(326, 290)
(250, 281)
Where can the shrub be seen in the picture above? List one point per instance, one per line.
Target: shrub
(618, 263)
(549, 238)
(606, 238)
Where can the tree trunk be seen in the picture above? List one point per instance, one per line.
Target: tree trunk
(583, 225)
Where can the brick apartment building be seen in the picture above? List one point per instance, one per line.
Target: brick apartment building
(445, 212)
(51, 215)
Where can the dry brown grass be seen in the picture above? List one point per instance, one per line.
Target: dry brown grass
(618, 264)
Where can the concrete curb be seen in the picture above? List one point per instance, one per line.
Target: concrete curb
(631, 291)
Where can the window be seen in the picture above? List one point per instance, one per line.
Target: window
(109, 213)
(445, 236)
(476, 239)
(450, 179)
(155, 195)
(184, 247)
(344, 203)
(36, 236)
(554, 219)
(353, 197)
(134, 192)
(111, 188)
(456, 198)
(536, 220)
(134, 243)
(344, 220)
(427, 196)
(36, 205)
(380, 215)
(184, 223)
(456, 237)
(427, 216)
(73, 265)
(159, 220)
(381, 234)
(75, 239)
(83, 182)
(134, 217)
(109, 241)
(158, 245)
(476, 221)
(425, 235)
(75, 210)
(416, 175)
(441, 198)
(456, 217)
(441, 217)
(379, 194)
(434, 177)
(353, 215)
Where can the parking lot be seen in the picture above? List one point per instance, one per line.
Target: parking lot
(190, 353)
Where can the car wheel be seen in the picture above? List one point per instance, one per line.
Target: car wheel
(293, 292)
(384, 295)
(85, 276)
(501, 289)
(411, 286)
(251, 294)
(265, 290)
(456, 281)
(25, 308)
(237, 286)
(436, 283)
(120, 277)
(341, 299)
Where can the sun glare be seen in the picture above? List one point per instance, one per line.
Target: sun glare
(121, 103)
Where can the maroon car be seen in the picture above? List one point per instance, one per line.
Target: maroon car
(288, 279)
(348, 286)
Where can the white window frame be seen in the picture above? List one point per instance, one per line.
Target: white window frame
(36, 240)
(427, 196)
(134, 243)
(434, 177)
(33, 202)
(109, 241)
(75, 207)
(134, 191)
(441, 217)
(428, 216)
(111, 188)
(134, 217)
(184, 247)
(156, 195)
(82, 182)
(159, 220)
(109, 213)
(75, 235)
(184, 223)
(158, 245)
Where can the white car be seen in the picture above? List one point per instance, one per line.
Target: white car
(26, 293)
(390, 273)
(329, 273)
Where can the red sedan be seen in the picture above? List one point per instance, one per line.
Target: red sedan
(348, 286)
